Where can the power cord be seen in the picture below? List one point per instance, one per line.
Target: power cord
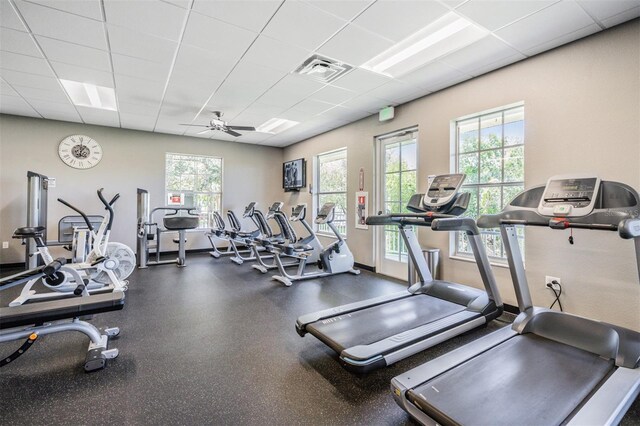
(552, 285)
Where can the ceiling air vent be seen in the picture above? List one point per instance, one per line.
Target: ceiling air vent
(323, 69)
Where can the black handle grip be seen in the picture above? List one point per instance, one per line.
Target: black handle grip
(114, 199)
(80, 212)
(465, 224)
(79, 290)
(107, 206)
(54, 266)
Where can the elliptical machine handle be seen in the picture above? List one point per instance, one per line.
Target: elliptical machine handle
(80, 212)
(107, 206)
(114, 199)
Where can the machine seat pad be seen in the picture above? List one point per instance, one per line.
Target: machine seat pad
(54, 310)
(179, 223)
(29, 232)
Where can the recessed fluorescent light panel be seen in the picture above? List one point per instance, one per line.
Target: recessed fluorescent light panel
(276, 125)
(447, 34)
(90, 95)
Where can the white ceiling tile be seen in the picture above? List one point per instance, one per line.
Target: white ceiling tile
(74, 54)
(137, 109)
(140, 68)
(450, 80)
(63, 26)
(360, 80)
(496, 65)
(236, 12)
(340, 112)
(185, 95)
(249, 118)
(31, 80)
(231, 99)
(276, 54)
(366, 103)
(82, 74)
(101, 117)
(264, 109)
(453, 3)
(87, 8)
(131, 43)
(57, 95)
(394, 90)
(253, 137)
(432, 74)
(354, 45)
(137, 122)
(185, 4)
(9, 18)
(200, 67)
(292, 24)
(16, 105)
(333, 95)
(479, 54)
(548, 24)
(622, 17)
(160, 19)
(56, 111)
(296, 115)
(227, 41)
(604, 9)
(6, 89)
(346, 10)
(312, 107)
(398, 19)
(18, 42)
(498, 13)
(23, 63)
(244, 77)
(290, 90)
(567, 38)
(138, 91)
(49, 105)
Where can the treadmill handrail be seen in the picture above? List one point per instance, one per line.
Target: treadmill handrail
(465, 224)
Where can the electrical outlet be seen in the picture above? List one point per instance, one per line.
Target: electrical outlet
(548, 279)
(5, 244)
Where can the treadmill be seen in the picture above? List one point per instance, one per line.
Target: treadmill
(552, 367)
(378, 332)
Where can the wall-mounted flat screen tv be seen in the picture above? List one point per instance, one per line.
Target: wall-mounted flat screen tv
(294, 175)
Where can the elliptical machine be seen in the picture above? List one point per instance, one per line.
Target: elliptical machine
(105, 268)
(334, 259)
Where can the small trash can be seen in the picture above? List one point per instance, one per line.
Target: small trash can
(432, 256)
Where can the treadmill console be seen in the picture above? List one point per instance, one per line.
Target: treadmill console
(248, 211)
(442, 190)
(277, 206)
(324, 212)
(298, 212)
(569, 195)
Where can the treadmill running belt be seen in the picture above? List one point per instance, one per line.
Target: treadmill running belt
(528, 375)
(373, 324)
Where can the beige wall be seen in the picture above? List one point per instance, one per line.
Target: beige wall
(132, 159)
(582, 113)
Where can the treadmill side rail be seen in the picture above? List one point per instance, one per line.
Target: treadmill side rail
(611, 401)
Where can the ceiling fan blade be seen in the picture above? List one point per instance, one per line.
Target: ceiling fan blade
(193, 125)
(246, 128)
(204, 131)
(232, 133)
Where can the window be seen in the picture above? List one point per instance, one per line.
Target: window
(331, 186)
(194, 181)
(399, 164)
(489, 149)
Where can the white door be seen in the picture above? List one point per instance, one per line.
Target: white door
(396, 182)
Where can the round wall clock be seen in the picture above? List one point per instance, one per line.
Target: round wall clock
(80, 151)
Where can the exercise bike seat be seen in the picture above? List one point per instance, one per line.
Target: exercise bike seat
(179, 223)
(29, 232)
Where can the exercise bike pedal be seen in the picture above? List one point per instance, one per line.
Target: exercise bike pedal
(111, 331)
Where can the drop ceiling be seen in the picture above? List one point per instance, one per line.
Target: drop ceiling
(175, 61)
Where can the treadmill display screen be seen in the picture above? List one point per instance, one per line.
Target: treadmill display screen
(578, 192)
(297, 211)
(443, 186)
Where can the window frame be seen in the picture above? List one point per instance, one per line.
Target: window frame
(454, 167)
(220, 193)
(317, 192)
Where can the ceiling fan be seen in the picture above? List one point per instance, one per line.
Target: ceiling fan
(217, 123)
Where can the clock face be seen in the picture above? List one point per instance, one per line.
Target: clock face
(80, 151)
